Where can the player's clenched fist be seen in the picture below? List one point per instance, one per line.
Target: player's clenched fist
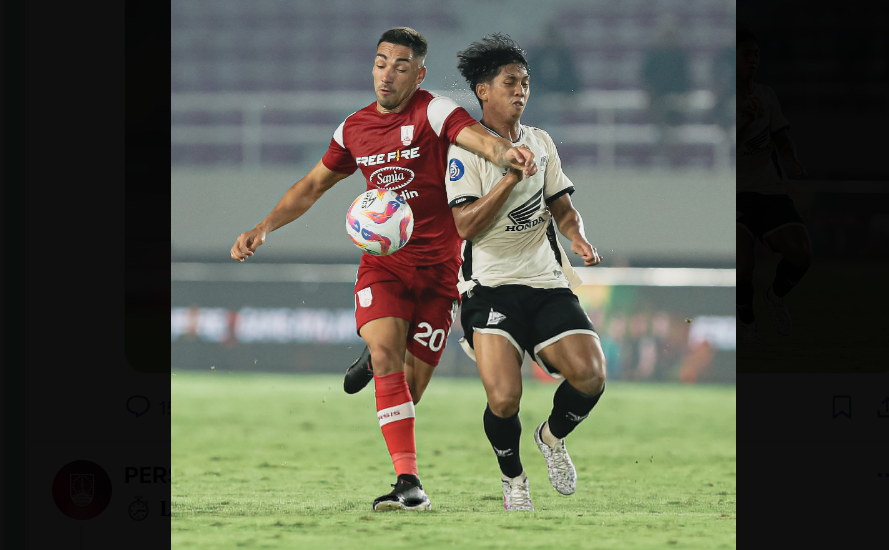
(522, 159)
(586, 251)
(247, 244)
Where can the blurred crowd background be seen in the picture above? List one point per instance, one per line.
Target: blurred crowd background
(638, 96)
(659, 73)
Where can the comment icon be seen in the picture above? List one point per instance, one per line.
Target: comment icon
(138, 405)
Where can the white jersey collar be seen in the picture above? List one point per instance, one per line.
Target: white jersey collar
(521, 132)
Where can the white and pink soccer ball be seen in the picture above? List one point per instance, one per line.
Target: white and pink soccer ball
(379, 222)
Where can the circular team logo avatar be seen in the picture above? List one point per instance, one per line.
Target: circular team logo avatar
(455, 169)
(81, 489)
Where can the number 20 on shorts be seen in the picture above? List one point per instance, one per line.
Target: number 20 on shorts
(433, 339)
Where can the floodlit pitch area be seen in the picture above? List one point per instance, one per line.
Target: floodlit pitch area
(290, 461)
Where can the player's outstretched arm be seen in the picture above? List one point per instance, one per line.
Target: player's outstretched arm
(471, 218)
(498, 150)
(570, 225)
(787, 150)
(296, 201)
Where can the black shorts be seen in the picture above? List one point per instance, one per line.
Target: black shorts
(761, 215)
(530, 318)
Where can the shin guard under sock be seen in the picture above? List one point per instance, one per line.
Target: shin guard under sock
(504, 434)
(570, 407)
(395, 410)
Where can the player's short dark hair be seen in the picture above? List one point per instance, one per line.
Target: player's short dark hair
(481, 61)
(407, 37)
(745, 34)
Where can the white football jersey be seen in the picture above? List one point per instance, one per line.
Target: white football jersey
(521, 246)
(757, 159)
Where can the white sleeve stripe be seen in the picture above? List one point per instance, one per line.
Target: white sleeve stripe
(338, 134)
(398, 412)
(438, 111)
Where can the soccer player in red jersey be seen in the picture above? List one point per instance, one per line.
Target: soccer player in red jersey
(404, 303)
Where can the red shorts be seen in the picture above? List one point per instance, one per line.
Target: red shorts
(425, 296)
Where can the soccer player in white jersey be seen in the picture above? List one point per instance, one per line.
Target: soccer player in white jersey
(516, 279)
(401, 298)
(764, 210)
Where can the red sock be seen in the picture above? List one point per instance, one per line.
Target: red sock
(395, 409)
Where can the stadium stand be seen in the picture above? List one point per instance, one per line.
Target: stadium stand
(241, 77)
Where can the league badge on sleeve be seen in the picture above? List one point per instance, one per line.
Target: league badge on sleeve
(455, 169)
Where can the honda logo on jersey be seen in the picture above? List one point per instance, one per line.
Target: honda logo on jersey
(523, 215)
(407, 135)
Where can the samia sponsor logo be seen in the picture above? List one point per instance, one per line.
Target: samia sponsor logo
(392, 177)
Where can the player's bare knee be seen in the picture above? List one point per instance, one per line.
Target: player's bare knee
(504, 403)
(598, 367)
(598, 380)
(386, 359)
(595, 382)
(588, 376)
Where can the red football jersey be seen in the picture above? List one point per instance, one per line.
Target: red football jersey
(407, 153)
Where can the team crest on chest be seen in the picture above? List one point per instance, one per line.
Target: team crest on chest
(407, 135)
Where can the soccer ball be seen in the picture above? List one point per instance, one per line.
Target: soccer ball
(379, 222)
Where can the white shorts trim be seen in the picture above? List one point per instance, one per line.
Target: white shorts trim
(398, 412)
(467, 348)
(552, 341)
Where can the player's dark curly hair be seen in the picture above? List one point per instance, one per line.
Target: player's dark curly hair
(481, 61)
(745, 34)
(407, 37)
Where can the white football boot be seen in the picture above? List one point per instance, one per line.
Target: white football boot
(516, 493)
(561, 470)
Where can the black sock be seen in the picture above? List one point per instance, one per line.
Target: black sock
(786, 277)
(744, 298)
(570, 407)
(504, 434)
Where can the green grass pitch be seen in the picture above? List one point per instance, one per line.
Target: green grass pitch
(292, 462)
